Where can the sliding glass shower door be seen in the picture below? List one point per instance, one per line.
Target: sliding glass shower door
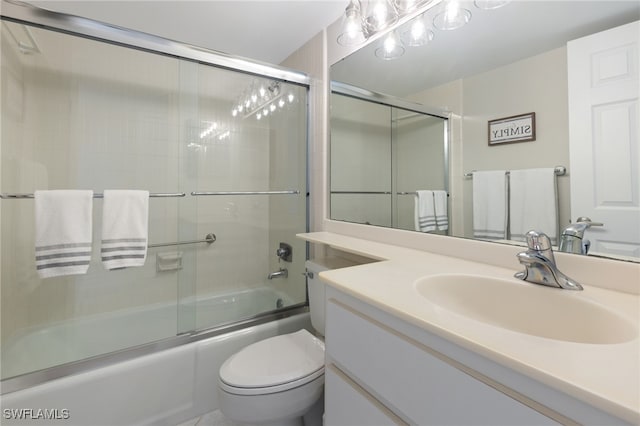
(223, 154)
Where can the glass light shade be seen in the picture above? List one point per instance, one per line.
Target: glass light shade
(351, 32)
(418, 34)
(378, 15)
(453, 17)
(391, 47)
(404, 6)
(490, 4)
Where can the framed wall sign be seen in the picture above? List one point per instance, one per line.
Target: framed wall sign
(518, 128)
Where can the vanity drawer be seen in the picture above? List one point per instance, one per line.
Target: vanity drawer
(416, 385)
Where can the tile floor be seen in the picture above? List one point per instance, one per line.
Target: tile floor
(214, 418)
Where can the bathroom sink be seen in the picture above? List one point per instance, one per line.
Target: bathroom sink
(527, 308)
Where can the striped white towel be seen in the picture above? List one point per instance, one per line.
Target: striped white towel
(425, 216)
(63, 232)
(440, 203)
(125, 222)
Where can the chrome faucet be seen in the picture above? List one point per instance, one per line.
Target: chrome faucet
(282, 272)
(571, 239)
(540, 264)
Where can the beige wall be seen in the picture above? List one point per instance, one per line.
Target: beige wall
(535, 84)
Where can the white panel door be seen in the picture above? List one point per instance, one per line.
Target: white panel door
(603, 130)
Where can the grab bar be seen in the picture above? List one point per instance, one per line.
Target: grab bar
(209, 239)
(361, 192)
(199, 193)
(154, 195)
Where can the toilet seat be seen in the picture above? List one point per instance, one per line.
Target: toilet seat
(274, 365)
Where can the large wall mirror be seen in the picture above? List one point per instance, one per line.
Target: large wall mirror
(531, 89)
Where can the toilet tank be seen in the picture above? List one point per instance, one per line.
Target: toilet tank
(316, 287)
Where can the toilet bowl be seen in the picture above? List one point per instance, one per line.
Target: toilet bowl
(274, 381)
(280, 380)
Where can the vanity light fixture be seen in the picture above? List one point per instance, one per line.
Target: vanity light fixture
(391, 47)
(351, 32)
(452, 17)
(364, 18)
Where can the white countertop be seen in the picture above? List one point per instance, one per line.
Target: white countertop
(606, 376)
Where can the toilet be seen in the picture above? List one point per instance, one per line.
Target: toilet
(280, 380)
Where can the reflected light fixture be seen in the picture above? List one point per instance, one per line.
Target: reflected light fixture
(261, 99)
(453, 17)
(490, 4)
(418, 34)
(404, 6)
(391, 47)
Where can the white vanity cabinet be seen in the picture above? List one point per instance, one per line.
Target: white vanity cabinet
(377, 376)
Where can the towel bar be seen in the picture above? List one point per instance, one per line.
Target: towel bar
(154, 195)
(560, 171)
(198, 193)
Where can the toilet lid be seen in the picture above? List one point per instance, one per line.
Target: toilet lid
(275, 361)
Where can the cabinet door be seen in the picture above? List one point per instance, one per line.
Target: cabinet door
(347, 404)
(410, 379)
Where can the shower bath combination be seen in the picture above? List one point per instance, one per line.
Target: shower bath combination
(76, 118)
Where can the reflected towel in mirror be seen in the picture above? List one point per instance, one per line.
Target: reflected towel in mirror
(425, 213)
(490, 204)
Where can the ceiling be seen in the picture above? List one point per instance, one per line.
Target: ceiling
(263, 30)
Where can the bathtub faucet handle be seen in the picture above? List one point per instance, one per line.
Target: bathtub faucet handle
(284, 252)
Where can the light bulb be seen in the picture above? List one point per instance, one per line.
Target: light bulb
(351, 33)
(418, 34)
(290, 97)
(453, 17)
(272, 107)
(379, 15)
(258, 116)
(391, 47)
(234, 112)
(281, 103)
(262, 91)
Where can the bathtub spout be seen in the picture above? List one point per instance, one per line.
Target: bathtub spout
(282, 272)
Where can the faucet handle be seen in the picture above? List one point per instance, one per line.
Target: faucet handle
(586, 220)
(538, 241)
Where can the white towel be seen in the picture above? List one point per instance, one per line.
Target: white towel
(533, 203)
(425, 214)
(490, 204)
(63, 232)
(440, 203)
(125, 222)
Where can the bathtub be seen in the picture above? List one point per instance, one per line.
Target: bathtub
(161, 388)
(68, 341)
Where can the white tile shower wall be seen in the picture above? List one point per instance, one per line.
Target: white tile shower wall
(124, 134)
